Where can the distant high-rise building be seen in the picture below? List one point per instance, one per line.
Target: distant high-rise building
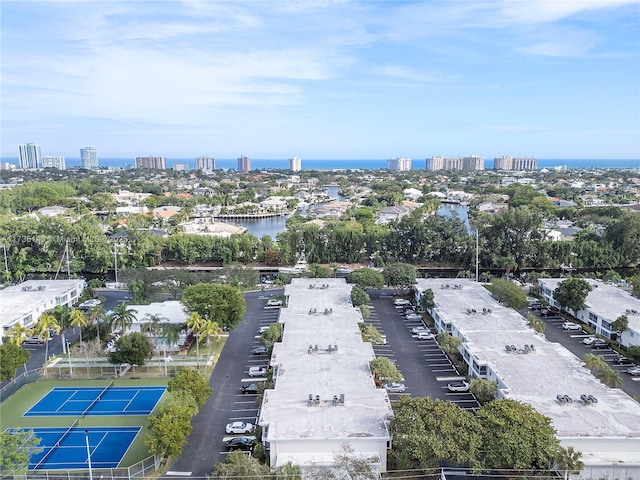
(295, 164)
(508, 162)
(206, 163)
(53, 162)
(30, 155)
(7, 166)
(399, 164)
(474, 162)
(158, 163)
(244, 164)
(89, 158)
(180, 167)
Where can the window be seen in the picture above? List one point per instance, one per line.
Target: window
(483, 370)
(593, 316)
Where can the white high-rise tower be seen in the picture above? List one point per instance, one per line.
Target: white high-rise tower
(89, 158)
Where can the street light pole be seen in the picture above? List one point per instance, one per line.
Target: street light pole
(69, 358)
(86, 437)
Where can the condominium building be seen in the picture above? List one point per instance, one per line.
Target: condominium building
(399, 164)
(181, 167)
(89, 158)
(295, 164)
(30, 156)
(206, 163)
(508, 162)
(244, 164)
(473, 162)
(497, 344)
(53, 162)
(158, 163)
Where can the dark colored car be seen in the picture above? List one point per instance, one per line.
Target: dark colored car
(260, 351)
(240, 443)
(250, 388)
(600, 345)
(623, 361)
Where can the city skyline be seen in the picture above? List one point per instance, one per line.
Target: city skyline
(327, 80)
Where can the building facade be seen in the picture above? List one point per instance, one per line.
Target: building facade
(244, 164)
(473, 162)
(89, 158)
(157, 163)
(508, 162)
(295, 164)
(399, 164)
(206, 163)
(54, 162)
(30, 156)
(181, 167)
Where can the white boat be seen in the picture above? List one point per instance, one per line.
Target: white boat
(299, 267)
(343, 270)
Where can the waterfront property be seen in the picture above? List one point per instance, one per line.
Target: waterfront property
(498, 345)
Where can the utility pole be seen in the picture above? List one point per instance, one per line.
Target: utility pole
(477, 254)
(115, 255)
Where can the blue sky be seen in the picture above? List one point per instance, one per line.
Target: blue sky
(322, 79)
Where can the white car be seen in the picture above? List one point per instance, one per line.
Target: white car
(413, 316)
(571, 326)
(589, 340)
(258, 371)
(401, 302)
(394, 387)
(89, 304)
(240, 427)
(415, 330)
(274, 303)
(458, 386)
(425, 336)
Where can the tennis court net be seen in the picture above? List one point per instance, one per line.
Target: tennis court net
(97, 399)
(57, 444)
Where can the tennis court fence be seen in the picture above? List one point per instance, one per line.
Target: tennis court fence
(142, 469)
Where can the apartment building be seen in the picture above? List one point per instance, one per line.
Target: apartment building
(508, 162)
(157, 163)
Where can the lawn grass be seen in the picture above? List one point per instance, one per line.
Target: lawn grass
(13, 409)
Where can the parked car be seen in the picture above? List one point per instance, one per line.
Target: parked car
(258, 371)
(620, 360)
(571, 326)
(272, 302)
(398, 302)
(633, 371)
(260, 350)
(394, 387)
(240, 443)
(240, 427)
(89, 304)
(425, 336)
(462, 386)
(34, 340)
(264, 328)
(419, 329)
(413, 317)
(599, 344)
(251, 388)
(589, 340)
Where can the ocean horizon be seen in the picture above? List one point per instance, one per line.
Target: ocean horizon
(342, 164)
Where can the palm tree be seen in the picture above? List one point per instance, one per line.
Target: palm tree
(122, 316)
(17, 333)
(195, 323)
(62, 315)
(170, 334)
(569, 460)
(96, 314)
(153, 326)
(210, 329)
(595, 363)
(78, 319)
(610, 377)
(44, 327)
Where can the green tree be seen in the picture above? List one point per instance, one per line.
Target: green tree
(271, 335)
(365, 311)
(78, 319)
(16, 448)
(448, 342)
(11, 358)
(168, 430)
(610, 377)
(384, 371)
(195, 323)
(359, 297)
(569, 461)
(534, 322)
(366, 278)
(505, 291)
(153, 325)
(427, 299)
(319, 271)
(237, 466)
(17, 333)
(223, 304)
(595, 363)
(400, 275)
(635, 285)
(571, 293)
(122, 317)
(370, 333)
(133, 349)
(516, 436)
(483, 389)
(97, 315)
(428, 431)
(190, 381)
(620, 325)
(44, 328)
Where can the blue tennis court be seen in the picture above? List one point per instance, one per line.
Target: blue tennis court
(65, 449)
(65, 401)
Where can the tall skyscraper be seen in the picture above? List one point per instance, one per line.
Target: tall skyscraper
(474, 162)
(399, 164)
(158, 163)
(53, 162)
(89, 158)
(30, 156)
(244, 164)
(295, 164)
(206, 163)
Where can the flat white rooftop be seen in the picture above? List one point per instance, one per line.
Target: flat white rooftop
(339, 366)
(607, 301)
(537, 377)
(33, 296)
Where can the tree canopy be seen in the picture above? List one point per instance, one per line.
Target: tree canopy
(11, 358)
(134, 348)
(16, 448)
(366, 278)
(571, 293)
(508, 292)
(190, 381)
(223, 304)
(400, 275)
